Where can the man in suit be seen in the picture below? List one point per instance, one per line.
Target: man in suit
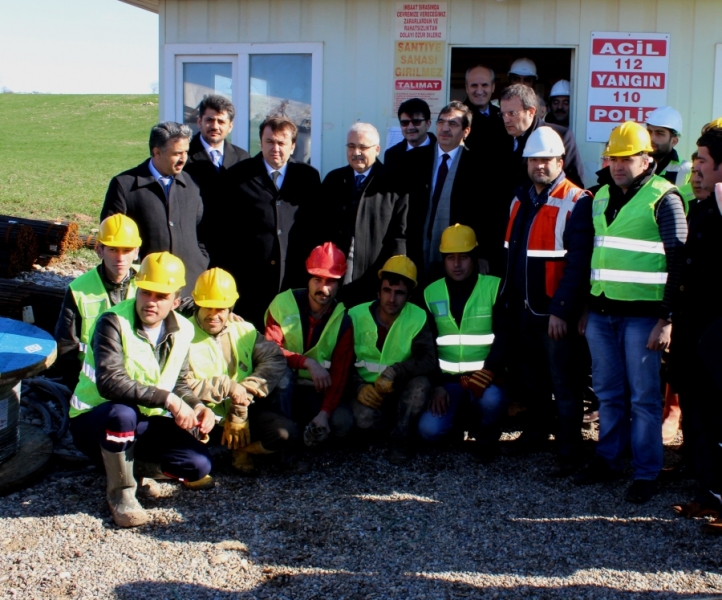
(209, 157)
(415, 120)
(366, 216)
(164, 202)
(271, 220)
(487, 128)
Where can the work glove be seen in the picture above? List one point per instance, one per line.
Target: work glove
(314, 434)
(368, 396)
(477, 382)
(236, 429)
(385, 382)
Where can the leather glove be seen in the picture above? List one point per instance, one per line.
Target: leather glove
(384, 383)
(236, 432)
(477, 382)
(368, 396)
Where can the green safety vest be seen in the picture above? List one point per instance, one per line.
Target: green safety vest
(284, 310)
(207, 361)
(628, 262)
(684, 187)
(464, 349)
(139, 361)
(397, 346)
(92, 300)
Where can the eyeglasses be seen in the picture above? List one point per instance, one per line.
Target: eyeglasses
(407, 122)
(354, 147)
(449, 122)
(511, 113)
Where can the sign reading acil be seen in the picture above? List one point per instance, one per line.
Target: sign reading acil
(628, 79)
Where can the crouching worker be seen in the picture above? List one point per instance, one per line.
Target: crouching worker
(395, 356)
(468, 324)
(234, 369)
(94, 292)
(315, 334)
(133, 379)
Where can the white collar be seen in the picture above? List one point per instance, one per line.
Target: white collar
(426, 142)
(155, 172)
(208, 147)
(452, 153)
(270, 169)
(365, 174)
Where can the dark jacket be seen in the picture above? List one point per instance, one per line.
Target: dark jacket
(265, 235)
(526, 276)
(210, 181)
(487, 132)
(393, 155)
(165, 224)
(112, 379)
(375, 221)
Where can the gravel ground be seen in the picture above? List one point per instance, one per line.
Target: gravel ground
(356, 527)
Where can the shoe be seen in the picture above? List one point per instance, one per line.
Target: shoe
(564, 468)
(243, 463)
(713, 527)
(528, 443)
(206, 483)
(704, 505)
(679, 472)
(121, 489)
(596, 471)
(641, 491)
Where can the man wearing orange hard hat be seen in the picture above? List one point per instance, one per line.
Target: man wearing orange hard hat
(316, 336)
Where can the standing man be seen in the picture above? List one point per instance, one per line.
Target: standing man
(415, 120)
(271, 219)
(550, 237)
(395, 356)
(468, 324)
(365, 214)
(209, 157)
(164, 202)
(133, 380)
(487, 128)
(665, 128)
(559, 103)
(94, 292)
(640, 230)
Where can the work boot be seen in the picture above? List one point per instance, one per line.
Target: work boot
(256, 448)
(124, 506)
(243, 463)
(206, 483)
(597, 470)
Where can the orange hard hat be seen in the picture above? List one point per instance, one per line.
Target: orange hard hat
(327, 261)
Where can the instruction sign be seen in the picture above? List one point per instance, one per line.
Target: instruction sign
(420, 54)
(628, 79)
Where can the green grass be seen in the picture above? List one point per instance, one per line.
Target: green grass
(58, 152)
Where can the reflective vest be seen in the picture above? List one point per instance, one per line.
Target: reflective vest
(284, 310)
(546, 234)
(92, 300)
(677, 172)
(207, 361)
(628, 262)
(139, 361)
(463, 349)
(397, 346)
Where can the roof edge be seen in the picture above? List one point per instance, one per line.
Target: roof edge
(149, 5)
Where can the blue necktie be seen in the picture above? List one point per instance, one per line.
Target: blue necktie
(216, 158)
(166, 182)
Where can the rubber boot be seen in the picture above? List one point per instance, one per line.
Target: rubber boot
(124, 506)
(206, 483)
(670, 416)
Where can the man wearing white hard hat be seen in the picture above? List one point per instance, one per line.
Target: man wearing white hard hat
(549, 241)
(559, 104)
(665, 128)
(523, 70)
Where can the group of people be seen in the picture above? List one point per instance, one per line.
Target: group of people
(400, 300)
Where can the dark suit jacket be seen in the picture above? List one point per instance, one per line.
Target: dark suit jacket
(487, 133)
(377, 225)
(165, 224)
(393, 155)
(247, 229)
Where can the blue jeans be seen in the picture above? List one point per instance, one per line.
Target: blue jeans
(485, 414)
(625, 375)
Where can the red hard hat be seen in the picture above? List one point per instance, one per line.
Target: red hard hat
(326, 261)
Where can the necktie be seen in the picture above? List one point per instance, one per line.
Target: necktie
(166, 182)
(440, 179)
(274, 177)
(216, 158)
(359, 181)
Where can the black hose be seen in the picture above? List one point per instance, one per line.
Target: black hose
(61, 394)
(32, 402)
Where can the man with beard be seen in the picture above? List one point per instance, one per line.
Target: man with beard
(559, 104)
(665, 128)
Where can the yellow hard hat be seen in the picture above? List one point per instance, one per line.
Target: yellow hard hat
(628, 139)
(161, 272)
(215, 288)
(715, 124)
(458, 238)
(401, 265)
(119, 231)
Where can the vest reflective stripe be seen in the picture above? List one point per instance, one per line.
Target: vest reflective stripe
(628, 262)
(139, 362)
(607, 241)
(546, 253)
(397, 346)
(206, 356)
(683, 170)
(463, 349)
(82, 347)
(284, 310)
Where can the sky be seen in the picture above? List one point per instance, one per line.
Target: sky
(77, 47)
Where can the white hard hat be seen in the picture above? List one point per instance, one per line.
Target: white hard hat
(524, 67)
(560, 88)
(666, 116)
(544, 142)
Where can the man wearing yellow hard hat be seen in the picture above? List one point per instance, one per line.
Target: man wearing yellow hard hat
(640, 231)
(468, 327)
(395, 356)
(234, 370)
(132, 398)
(89, 295)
